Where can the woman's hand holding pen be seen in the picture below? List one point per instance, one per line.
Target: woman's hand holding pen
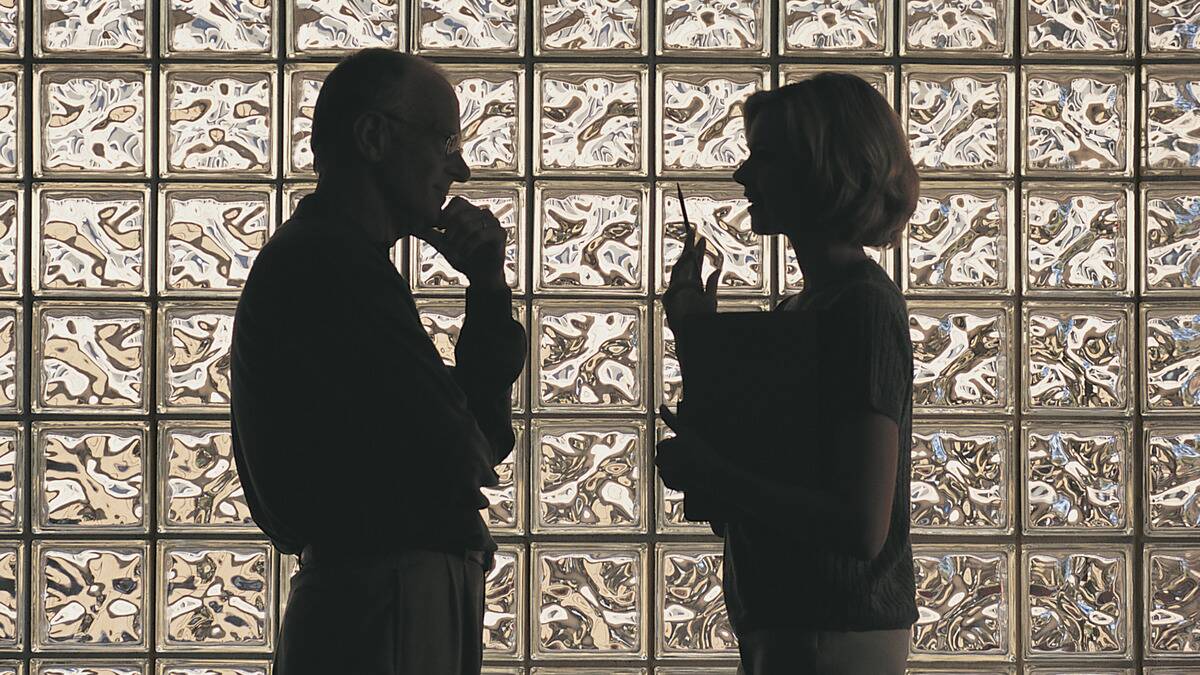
(686, 294)
(685, 461)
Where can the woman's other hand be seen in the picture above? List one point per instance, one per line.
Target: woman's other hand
(686, 294)
(685, 461)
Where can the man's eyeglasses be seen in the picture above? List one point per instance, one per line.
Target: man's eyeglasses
(453, 142)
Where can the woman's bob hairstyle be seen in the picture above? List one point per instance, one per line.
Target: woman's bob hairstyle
(847, 156)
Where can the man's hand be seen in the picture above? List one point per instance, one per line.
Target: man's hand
(685, 461)
(472, 241)
(685, 293)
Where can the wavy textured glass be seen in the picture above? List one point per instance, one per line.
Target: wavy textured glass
(575, 26)
(490, 117)
(960, 356)
(218, 26)
(92, 122)
(1077, 26)
(10, 365)
(700, 125)
(958, 240)
(1172, 358)
(91, 239)
(93, 26)
(974, 26)
(12, 464)
(90, 596)
(1172, 26)
(879, 77)
(91, 477)
(197, 478)
(1172, 238)
(12, 616)
(589, 476)
(10, 241)
(592, 239)
(1173, 120)
(193, 667)
(214, 595)
(197, 341)
(691, 26)
(11, 35)
(62, 667)
(501, 615)
(589, 602)
(92, 356)
(1076, 358)
(590, 120)
(1172, 456)
(963, 601)
(1076, 120)
(961, 478)
(218, 122)
(468, 25)
(1078, 600)
(1173, 596)
(504, 513)
(1076, 238)
(834, 25)
(11, 97)
(304, 84)
(586, 357)
(443, 321)
(958, 123)
(212, 237)
(344, 25)
(431, 271)
(692, 606)
(724, 220)
(1076, 478)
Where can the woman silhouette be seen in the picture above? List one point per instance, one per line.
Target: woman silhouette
(818, 563)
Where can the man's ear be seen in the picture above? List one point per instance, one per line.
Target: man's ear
(371, 137)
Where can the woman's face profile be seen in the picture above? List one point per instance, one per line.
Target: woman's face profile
(763, 174)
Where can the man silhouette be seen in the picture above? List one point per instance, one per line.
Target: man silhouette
(357, 448)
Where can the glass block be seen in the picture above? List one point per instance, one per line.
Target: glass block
(218, 122)
(215, 595)
(292, 194)
(1172, 610)
(210, 235)
(12, 596)
(792, 277)
(961, 355)
(959, 122)
(850, 27)
(90, 239)
(302, 83)
(1172, 27)
(90, 595)
(687, 27)
(692, 618)
(492, 117)
(12, 667)
(1077, 478)
(699, 116)
(443, 320)
(589, 602)
(591, 119)
(668, 381)
(90, 476)
(90, 358)
(591, 237)
(1077, 600)
(203, 667)
(1077, 358)
(194, 345)
(431, 273)
(505, 513)
(883, 78)
(319, 27)
(1079, 670)
(12, 368)
(12, 476)
(1077, 239)
(962, 479)
(1078, 27)
(90, 121)
(198, 485)
(1077, 120)
(669, 503)
(88, 667)
(695, 670)
(1171, 239)
(90, 28)
(289, 565)
(1172, 344)
(589, 475)
(719, 213)
(960, 240)
(1172, 478)
(503, 604)
(1171, 119)
(588, 671)
(12, 128)
(590, 27)
(469, 27)
(964, 601)
(589, 354)
(955, 28)
(12, 31)
(218, 28)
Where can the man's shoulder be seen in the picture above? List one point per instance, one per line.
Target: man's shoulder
(298, 247)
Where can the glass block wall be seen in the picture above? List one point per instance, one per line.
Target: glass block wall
(147, 150)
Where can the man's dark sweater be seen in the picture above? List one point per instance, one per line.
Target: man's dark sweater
(349, 433)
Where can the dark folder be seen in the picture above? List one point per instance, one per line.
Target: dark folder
(746, 377)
